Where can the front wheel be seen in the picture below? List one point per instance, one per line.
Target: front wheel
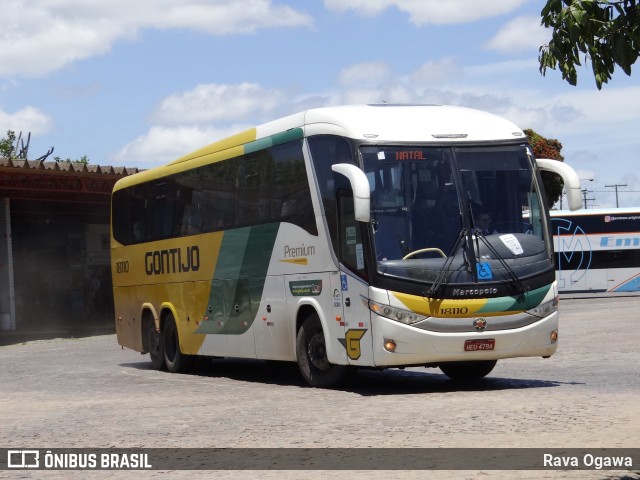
(311, 352)
(175, 360)
(468, 370)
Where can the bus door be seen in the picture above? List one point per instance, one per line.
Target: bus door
(273, 335)
(352, 288)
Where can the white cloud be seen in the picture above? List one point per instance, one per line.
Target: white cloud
(521, 33)
(576, 117)
(40, 36)
(190, 120)
(585, 113)
(366, 75)
(217, 102)
(423, 12)
(161, 145)
(436, 73)
(27, 119)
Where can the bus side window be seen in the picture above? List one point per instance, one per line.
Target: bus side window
(327, 150)
(350, 251)
(290, 196)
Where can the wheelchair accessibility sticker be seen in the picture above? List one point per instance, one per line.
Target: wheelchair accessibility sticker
(484, 271)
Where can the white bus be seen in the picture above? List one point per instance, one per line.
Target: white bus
(597, 250)
(339, 238)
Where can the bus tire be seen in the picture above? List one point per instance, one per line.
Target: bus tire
(465, 371)
(155, 343)
(311, 353)
(175, 360)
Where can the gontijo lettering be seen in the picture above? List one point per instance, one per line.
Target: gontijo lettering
(173, 260)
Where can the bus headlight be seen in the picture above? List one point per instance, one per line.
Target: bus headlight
(398, 314)
(545, 309)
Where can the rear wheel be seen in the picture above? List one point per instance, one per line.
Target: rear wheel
(468, 370)
(311, 352)
(155, 345)
(175, 360)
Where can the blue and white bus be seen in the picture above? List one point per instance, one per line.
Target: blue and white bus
(597, 250)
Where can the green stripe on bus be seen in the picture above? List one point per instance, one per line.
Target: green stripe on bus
(277, 139)
(526, 301)
(238, 282)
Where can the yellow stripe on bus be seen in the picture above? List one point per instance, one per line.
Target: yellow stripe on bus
(440, 307)
(236, 140)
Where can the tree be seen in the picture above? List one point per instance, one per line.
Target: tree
(7, 149)
(82, 159)
(547, 148)
(606, 32)
(6, 144)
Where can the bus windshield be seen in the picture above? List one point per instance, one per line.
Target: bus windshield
(432, 203)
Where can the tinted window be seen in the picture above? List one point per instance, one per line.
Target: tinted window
(266, 186)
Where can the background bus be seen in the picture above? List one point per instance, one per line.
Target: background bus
(339, 238)
(597, 250)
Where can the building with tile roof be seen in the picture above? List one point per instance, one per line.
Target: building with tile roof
(54, 245)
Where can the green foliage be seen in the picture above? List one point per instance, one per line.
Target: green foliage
(547, 148)
(7, 149)
(605, 32)
(82, 159)
(6, 144)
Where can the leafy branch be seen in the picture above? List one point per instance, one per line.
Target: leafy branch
(606, 33)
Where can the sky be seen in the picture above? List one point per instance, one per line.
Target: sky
(140, 83)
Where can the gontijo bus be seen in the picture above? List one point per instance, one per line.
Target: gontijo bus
(342, 237)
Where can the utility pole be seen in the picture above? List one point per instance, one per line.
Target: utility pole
(584, 197)
(583, 193)
(616, 187)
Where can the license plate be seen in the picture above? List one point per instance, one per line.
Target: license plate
(477, 345)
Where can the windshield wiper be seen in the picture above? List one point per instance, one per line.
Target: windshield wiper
(514, 278)
(471, 262)
(440, 279)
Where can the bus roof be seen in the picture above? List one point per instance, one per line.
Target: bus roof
(379, 123)
(392, 123)
(596, 211)
(412, 123)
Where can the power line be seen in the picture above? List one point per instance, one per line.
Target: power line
(584, 197)
(616, 187)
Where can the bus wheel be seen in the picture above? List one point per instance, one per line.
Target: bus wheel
(311, 352)
(468, 370)
(175, 360)
(155, 343)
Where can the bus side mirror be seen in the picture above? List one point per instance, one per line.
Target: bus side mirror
(569, 177)
(361, 190)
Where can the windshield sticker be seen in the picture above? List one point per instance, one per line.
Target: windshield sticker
(512, 243)
(484, 271)
(337, 298)
(359, 257)
(381, 156)
(302, 288)
(350, 232)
